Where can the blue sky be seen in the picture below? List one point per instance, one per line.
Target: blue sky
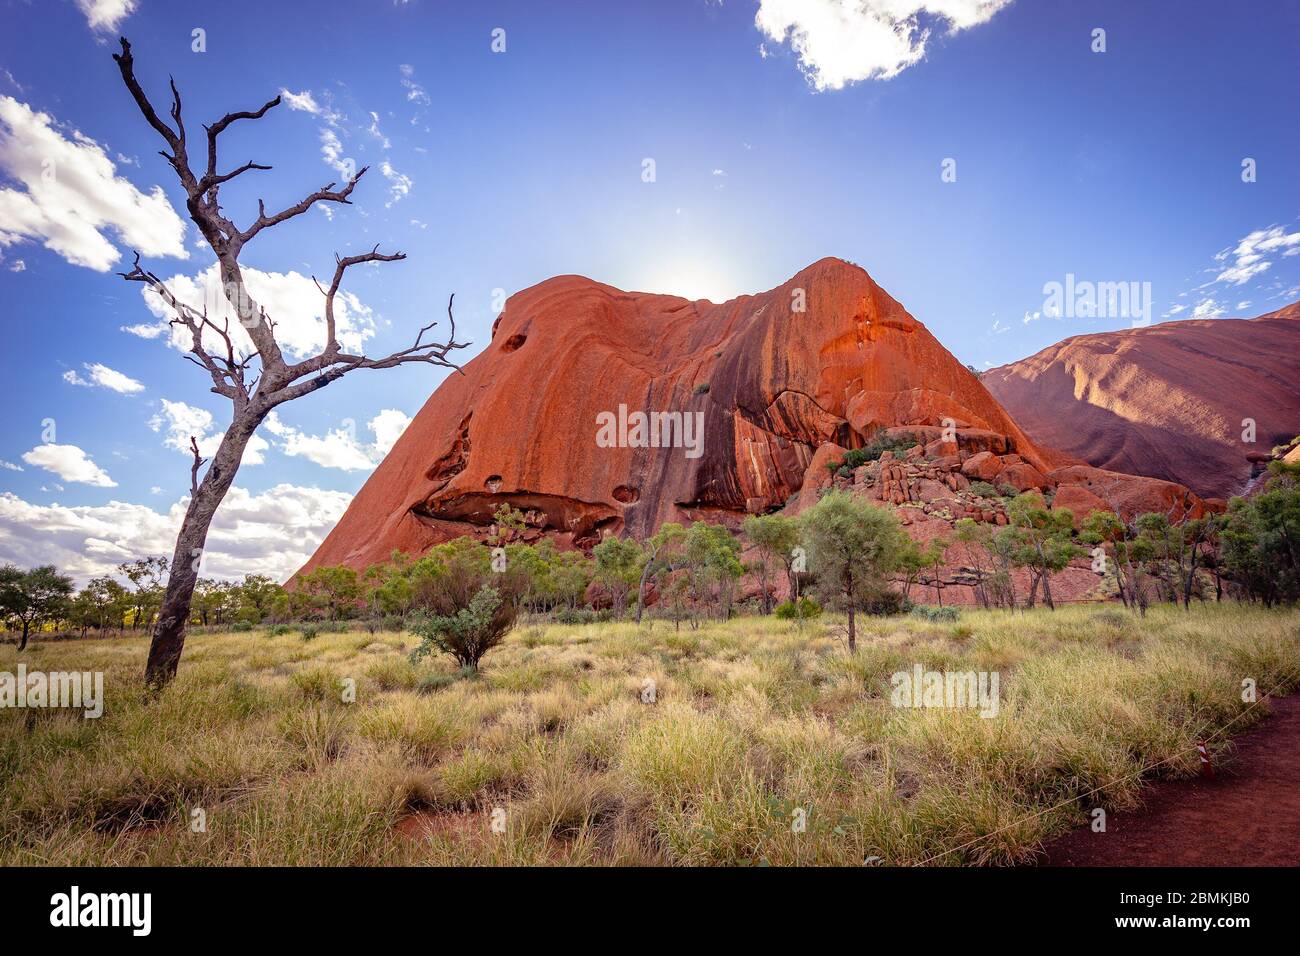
(495, 170)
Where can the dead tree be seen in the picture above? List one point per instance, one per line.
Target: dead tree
(254, 383)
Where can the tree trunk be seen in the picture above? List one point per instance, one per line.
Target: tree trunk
(22, 643)
(853, 633)
(1047, 589)
(640, 591)
(1191, 582)
(169, 630)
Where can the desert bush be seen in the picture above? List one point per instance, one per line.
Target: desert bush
(469, 633)
(802, 610)
(431, 683)
(575, 615)
(929, 613)
(857, 457)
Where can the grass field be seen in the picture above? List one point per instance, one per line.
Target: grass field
(755, 724)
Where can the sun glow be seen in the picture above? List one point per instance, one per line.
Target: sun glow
(690, 278)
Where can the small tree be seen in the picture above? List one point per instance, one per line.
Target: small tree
(975, 536)
(146, 577)
(711, 562)
(1044, 541)
(32, 598)
(331, 590)
(258, 598)
(936, 555)
(466, 635)
(1260, 542)
(775, 537)
(618, 568)
(665, 553)
(852, 549)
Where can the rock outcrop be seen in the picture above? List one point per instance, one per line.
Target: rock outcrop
(762, 391)
(1168, 401)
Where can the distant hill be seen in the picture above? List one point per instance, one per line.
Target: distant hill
(1166, 401)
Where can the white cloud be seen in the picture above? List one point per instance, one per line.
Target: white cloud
(399, 184)
(271, 533)
(146, 330)
(388, 426)
(339, 447)
(18, 266)
(1208, 308)
(70, 463)
(839, 42)
(105, 15)
(1251, 255)
(10, 466)
(182, 421)
(331, 150)
(305, 102)
(373, 130)
(1031, 317)
(70, 194)
(104, 377)
(290, 299)
(415, 93)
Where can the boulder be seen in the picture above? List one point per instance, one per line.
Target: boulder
(981, 466)
(1022, 476)
(1079, 500)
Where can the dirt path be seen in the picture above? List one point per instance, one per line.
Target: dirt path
(1248, 815)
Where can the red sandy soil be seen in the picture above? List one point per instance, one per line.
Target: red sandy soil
(1247, 815)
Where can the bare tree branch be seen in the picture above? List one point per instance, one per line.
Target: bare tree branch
(276, 381)
(226, 383)
(326, 193)
(219, 127)
(194, 468)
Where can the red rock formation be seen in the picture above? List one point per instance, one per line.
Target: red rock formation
(779, 390)
(1165, 401)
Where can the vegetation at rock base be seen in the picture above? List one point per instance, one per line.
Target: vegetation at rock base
(752, 719)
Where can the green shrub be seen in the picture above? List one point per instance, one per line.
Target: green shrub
(935, 613)
(857, 457)
(467, 634)
(310, 631)
(803, 610)
(575, 615)
(983, 489)
(432, 683)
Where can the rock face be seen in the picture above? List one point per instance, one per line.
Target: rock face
(1166, 401)
(768, 388)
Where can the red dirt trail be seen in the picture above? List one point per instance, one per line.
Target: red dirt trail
(1247, 815)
